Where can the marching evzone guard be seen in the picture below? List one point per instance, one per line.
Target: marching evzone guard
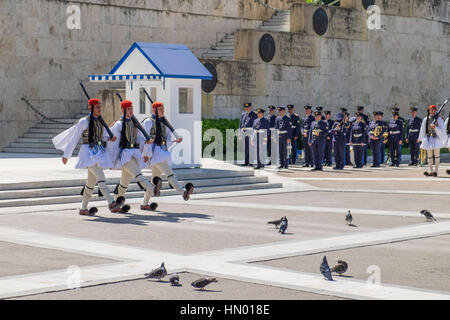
(157, 154)
(126, 152)
(316, 139)
(283, 130)
(395, 139)
(306, 125)
(295, 132)
(245, 129)
(358, 136)
(339, 134)
(412, 135)
(92, 156)
(376, 132)
(260, 136)
(433, 136)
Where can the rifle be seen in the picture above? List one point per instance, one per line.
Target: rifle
(436, 116)
(100, 118)
(136, 122)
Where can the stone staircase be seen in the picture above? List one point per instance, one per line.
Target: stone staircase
(205, 180)
(38, 140)
(224, 48)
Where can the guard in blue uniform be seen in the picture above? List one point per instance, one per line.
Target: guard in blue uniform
(412, 136)
(328, 155)
(348, 128)
(283, 129)
(260, 134)
(404, 122)
(339, 134)
(320, 109)
(395, 130)
(376, 130)
(306, 125)
(245, 129)
(317, 139)
(358, 139)
(383, 144)
(365, 119)
(295, 132)
(271, 132)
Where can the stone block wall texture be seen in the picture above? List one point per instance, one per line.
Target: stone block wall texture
(406, 62)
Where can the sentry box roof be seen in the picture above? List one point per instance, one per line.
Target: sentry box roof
(149, 61)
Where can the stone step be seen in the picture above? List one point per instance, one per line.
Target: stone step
(53, 126)
(30, 145)
(33, 140)
(39, 135)
(218, 56)
(45, 130)
(67, 120)
(182, 174)
(133, 194)
(280, 29)
(33, 150)
(224, 47)
(220, 52)
(75, 190)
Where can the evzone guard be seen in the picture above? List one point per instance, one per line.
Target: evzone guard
(157, 154)
(433, 136)
(127, 154)
(92, 156)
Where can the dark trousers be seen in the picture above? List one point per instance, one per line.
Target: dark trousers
(365, 153)
(383, 151)
(358, 151)
(339, 154)
(394, 151)
(308, 152)
(283, 151)
(414, 149)
(375, 146)
(318, 148)
(293, 155)
(247, 150)
(328, 156)
(260, 150)
(347, 155)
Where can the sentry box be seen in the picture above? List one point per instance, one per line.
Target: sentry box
(172, 74)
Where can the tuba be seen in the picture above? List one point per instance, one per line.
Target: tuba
(377, 131)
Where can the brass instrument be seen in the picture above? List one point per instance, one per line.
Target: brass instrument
(377, 131)
(385, 137)
(422, 157)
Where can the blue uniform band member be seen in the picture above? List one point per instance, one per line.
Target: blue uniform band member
(328, 156)
(339, 134)
(376, 132)
(348, 128)
(395, 139)
(305, 127)
(384, 140)
(245, 130)
(259, 137)
(358, 136)
(271, 133)
(295, 132)
(412, 136)
(365, 119)
(316, 140)
(283, 131)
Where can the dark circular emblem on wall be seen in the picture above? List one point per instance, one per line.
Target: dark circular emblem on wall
(209, 85)
(266, 48)
(320, 21)
(367, 3)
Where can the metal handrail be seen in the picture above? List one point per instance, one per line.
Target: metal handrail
(43, 116)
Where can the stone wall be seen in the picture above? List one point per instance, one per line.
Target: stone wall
(42, 59)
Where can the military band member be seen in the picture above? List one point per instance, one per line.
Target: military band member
(320, 109)
(366, 120)
(433, 137)
(395, 139)
(127, 154)
(384, 141)
(283, 130)
(295, 132)
(259, 136)
(317, 138)
(376, 131)
(157, 154)
(92, 156)
(271, 133)
(403, 121)
(358, 140)
(348, 128)
(412, 136)
(245, 127)
(306, 125)
(328, 154)
(339, 134)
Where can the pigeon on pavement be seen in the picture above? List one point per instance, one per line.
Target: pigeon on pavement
(283, 225)
(427, 215)
(340, 268)
(349, 218)
(175, 280)
(202, 282)
(275, 222)
(158, 273)
(325, 269)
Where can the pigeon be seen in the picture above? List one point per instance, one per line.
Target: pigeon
(427, 215)
(349, 218)
(283, 225)
(340, 268)
(175, 280)
(202, 282)
(275, 222)
(158, 273)
(325, 269)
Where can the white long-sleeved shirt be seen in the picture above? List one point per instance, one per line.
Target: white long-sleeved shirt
(430, 142)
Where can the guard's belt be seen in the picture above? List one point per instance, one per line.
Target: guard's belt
(98, 143)
(132, 145)
(357, 135)
(249, 128)
(394, 132)
(261, 131)
(294, 127)
(281, 132)
(413, 130)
